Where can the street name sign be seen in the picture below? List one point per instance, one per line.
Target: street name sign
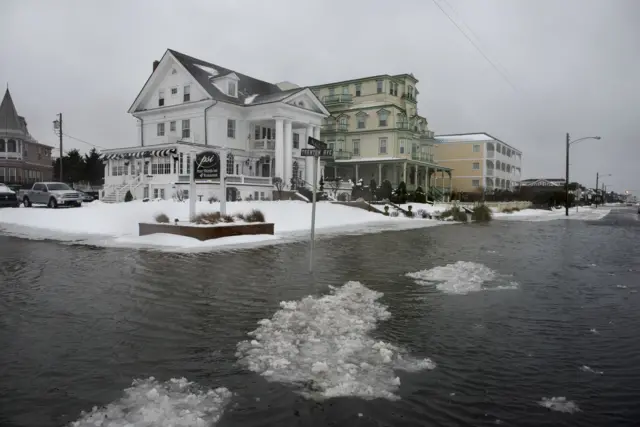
(310, 152)
(316, 143)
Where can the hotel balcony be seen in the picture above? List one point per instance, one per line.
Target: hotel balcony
(342, 155)
(331, 100)
(331, 128)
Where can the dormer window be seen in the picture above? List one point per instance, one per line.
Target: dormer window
(231, 89)
(186, 94)
(160, 98)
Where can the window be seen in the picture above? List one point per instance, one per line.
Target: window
(160, 166)
(356, 147)
(359, 89)
(410, 92)
(361, 121)
(160, 98)
(383, 115)
(379, 86)
(231, 89)
(174, 91)
(181, 164)
(172, 126)
(186, 131)
(256, 132)
(160, 130)
(231, 128)
(12, 147)
(188, 167)
(476, 148)
(331, 143)
(237, 169)
(345, 90)
(402, 146)
(332, 91)
(229, 164)
(476, 166)
(382, 146)
(475, 182)
(186, 94)
(296, 140)
(155, 193)
(393, 89)
(343, 123)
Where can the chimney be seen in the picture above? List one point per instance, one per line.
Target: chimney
(155, 65)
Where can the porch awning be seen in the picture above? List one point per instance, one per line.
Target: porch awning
(140, 154)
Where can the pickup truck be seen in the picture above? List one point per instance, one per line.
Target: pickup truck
(52, 194)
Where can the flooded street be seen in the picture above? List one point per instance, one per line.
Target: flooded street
(514, 316)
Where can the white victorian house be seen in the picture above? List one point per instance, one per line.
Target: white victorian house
(190, 105)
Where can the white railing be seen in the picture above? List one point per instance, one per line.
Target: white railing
(264, 144)
(489, 172)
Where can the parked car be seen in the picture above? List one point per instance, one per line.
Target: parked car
(52, 194)
(86, 198)
(8, 197)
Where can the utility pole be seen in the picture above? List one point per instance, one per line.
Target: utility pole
(597, 191)
(57, 126)
(566, 184)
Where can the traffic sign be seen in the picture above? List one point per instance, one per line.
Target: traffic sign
(316, 143)
(311, 152)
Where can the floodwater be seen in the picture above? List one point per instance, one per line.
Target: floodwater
(527, 324)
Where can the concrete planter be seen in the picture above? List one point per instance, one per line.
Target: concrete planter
(206, 232)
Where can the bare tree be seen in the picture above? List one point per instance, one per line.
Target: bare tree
(179, 195)
(279, 184)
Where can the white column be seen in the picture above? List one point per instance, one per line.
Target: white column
(279, 157)
(288, 152)
(308, 161)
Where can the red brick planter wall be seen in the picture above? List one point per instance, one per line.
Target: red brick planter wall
(206, 233)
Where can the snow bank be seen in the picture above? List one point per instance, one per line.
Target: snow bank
(322, 346)
(148, 403)
(462, 277)
(583, 213)
(117, 224)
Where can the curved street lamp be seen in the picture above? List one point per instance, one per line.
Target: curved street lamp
(566, 184)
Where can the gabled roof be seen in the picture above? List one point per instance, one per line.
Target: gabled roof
(204, 71)
(9, 118)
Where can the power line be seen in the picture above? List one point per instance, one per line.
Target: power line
(502, 74)
(83, 141)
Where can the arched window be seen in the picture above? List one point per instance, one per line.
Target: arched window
(229, 164)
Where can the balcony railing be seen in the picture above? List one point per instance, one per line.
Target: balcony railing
(427, 135)
(489, 172)
(344, 98)
(264, 144)
(335, 128)
(422, 157)
(342, 155)
(491, 154)
(403, 125)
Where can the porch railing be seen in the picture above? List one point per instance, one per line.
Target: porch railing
(337, 99)
(422, 157)
(264, 144)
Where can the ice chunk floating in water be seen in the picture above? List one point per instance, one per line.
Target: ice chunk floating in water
(322, 346)
(148, 403)
(560, 404)
(462, 277)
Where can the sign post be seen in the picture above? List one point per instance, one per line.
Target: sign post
(320, 149)
(205, 167)
(223, 182)
(192, 187)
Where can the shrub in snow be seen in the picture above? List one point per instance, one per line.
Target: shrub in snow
(423, 214)
(227, 218)
(409, 212)
(162, 218)
(456, 214)
(342, 197)
(419, 196)
(394, 214)
(128, 197)
(212, 199)
(385, 190)
(207, 218)
(481, 213)
(386, 210)
(254, 216)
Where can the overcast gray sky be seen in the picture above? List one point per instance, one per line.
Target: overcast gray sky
(574, 65)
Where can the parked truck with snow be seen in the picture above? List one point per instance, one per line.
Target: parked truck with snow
(52, 194)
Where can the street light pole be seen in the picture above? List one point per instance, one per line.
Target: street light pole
(597, 178)
(566, 183)
(57, 126)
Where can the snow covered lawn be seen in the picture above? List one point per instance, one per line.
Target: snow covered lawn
(117, 224)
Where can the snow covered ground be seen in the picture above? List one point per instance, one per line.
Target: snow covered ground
(104, 224)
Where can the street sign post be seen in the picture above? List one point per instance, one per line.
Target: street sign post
(320, 150)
